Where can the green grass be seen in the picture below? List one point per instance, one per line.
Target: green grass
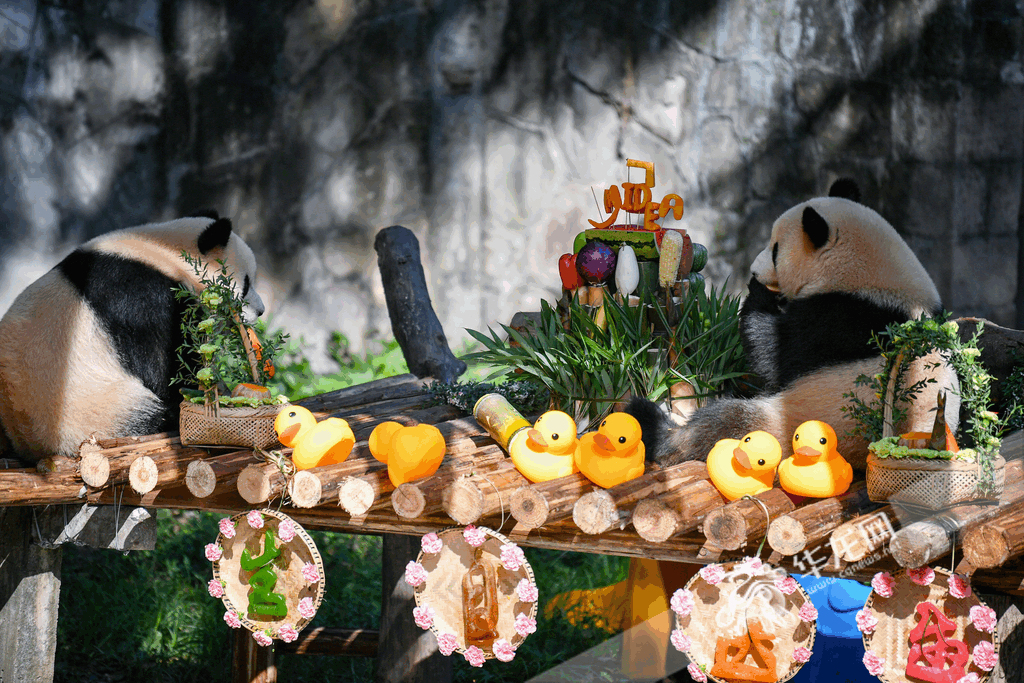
(146, 616)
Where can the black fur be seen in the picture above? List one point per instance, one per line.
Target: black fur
(815, 227)
(135, 304)
(215, 235)
(846, 188)
(785, 340)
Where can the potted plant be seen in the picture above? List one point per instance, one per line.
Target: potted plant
(225, 367)
(936, 469)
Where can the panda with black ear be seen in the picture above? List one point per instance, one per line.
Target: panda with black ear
(90, 348)
(833, 273)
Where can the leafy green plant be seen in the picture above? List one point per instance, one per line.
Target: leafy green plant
(587, 368)
(212, 353)
(296, 379)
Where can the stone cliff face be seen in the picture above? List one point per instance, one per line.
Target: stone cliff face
(485, 125)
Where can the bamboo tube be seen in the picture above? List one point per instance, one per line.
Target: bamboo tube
(676, 512)
(203, 477)
(742, 521)
(600, 510)
(793, 533)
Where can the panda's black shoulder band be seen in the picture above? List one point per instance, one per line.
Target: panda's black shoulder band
(215, 235)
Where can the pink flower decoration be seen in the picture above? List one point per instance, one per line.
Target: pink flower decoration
(985, 656)
(213, 552)
(447, 644)
(423, 616)
(288, 634)
(527, 591)
(713, 574)
(306, 608)
(255, 519)
(431, 543)
(681, 602)
(474, 655)
(969, 678)
(883, 583)
(503, 650)
(227, 527)
(807, 612)
(958, 586)
(753, 563)
(475, 537)
(262, 638)
(415, 574)
(983, 618)
(310, 573)
(231, 619)
(875, 664)
(866, 621)
(696, 673)
(786, 585)
(801, 655)
(525, 625)
(286, 530)
(922, 576)
(216, 588)
(512, 557)
(680, 640)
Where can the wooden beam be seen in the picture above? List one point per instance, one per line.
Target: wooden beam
(336, 642)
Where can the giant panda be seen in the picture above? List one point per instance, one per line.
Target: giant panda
(834, 272)
(90, 348)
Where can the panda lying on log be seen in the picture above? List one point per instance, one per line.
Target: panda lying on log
(833, 273)
(90, 348)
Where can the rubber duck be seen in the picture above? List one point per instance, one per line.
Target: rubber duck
(314, 443)
(816, 469)
(412, 452)
(379, 442)
(547, 450)
(614, 453)
(744, 467)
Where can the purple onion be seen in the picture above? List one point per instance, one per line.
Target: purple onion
(596, 263)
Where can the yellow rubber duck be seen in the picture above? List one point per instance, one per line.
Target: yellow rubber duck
(547, 450)
(314, 443)
(744, 467)
(816, 469)
(614, 453)
(411, 453)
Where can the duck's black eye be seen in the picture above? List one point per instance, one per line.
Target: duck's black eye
(292, 413)
(796, 437)
(622, 439)
(746, 439)
(761, 461)
(554, 437)
(604, 423)
(823, 441)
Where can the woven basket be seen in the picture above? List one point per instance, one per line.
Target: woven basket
(932, 484)
(202, 425)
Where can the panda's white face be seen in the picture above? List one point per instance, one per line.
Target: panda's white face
(242, 266)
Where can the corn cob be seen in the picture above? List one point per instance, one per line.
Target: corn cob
(668, 262)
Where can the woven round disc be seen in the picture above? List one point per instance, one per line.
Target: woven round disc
(442, 590)
(291, 583)
(745, 595)
(897, 617)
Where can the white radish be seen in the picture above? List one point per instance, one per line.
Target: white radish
(627, 271)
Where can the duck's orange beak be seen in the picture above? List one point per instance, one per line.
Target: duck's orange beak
(287, 435)
(808, 452)
(741, 457)
(537, 438)
(603, 442)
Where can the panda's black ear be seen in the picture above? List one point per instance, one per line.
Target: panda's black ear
(216, 235)
(845, 188)
(816, 227)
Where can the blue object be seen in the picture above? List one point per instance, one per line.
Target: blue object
(838, 648)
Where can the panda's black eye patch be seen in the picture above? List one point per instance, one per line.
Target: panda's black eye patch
(245, 286)
(775, 254)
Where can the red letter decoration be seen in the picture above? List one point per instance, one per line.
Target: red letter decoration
(938, 653)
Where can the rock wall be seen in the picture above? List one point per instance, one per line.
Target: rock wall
(485, 126)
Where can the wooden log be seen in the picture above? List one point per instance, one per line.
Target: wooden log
(676, 512)
(27, 486)
(742, 521)
(926, 540)
(865, 534)
(161, 470)
(602, 509)
(387, 389)
(483, 494)
(57, 464)
(102, 465)
(548, 502)
(995, 543)
(320, 485)
(426, 496)
(203, 477)
(337, 642)
(413, 321)
(260, 482)
(358, 494)
(793, 533)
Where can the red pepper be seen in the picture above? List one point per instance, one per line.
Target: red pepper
(567, 271)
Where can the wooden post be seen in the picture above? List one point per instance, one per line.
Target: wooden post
(251, 662)
(29, 598)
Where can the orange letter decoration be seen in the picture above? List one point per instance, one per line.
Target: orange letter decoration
(942, 651)
(734, 668)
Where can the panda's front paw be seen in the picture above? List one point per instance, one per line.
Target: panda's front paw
(760, 299)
